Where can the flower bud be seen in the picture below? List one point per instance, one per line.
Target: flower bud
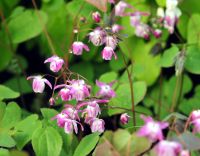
(96, 16)
(124, 118)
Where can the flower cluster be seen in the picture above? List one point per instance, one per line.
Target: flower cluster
(170, 16)
(153, 130)
(87, 107)
(106, 33)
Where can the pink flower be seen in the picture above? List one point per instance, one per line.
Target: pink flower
(107, 53)
(97, 125)
(195, 115)
(120, 8)
(71, 113)
(157, 33)
(168, 148)
(61, 118)
(65, 94)
(56, 63)
(142, 30)
(152, 129)
(96, 16)
(196, 124)
(77, 48)
(97, 37)
(112, 1)
(39, 83)
(116, 28)
(105, 89)
(185, 153)
(79, 90)
(92, 110)
(70, 125)
(124, 118)
(135, 19)
(111, 41)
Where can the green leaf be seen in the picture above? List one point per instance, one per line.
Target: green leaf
(88, 71)
(108, 77)
(14, 82)
(47, 141)
(161, 3)
(6, 140)
(86, 145)
(11, 116)
(122, 135)
(123, 96)
(24, 130)
(2, 109)
(26, 25)
(192, 60)
(168, 58)
(4, 152)
(193, 35)
(7, 93)
(146, 67)
(48, 113)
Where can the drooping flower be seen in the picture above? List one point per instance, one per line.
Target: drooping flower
(120, 8)
(116, 28)
(96, 16)
(106, 90)
(168, 148)
(65, 94)
(70, 125)
(71, 113)
(61, 118)
(56, 63)
(39, 83)
(111, 41)
(157, 33)
(124, 118)
(91, 111)
(97, 125)
(79, 90)
(142, 30)
(77, 48)
(135, 19)
(97, 37)
(107, 53)
(195, 115)
(152, 129)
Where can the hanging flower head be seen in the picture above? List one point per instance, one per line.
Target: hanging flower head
(77, 48)
(39, 83)
(56, 63)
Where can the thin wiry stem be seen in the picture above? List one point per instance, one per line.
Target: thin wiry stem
(131, 89)
(44, 28)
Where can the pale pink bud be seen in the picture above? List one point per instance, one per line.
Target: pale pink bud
(168, 148)
(52, 101)
(96, 16)
(107, 53)
(77, 48)
(124, 118)
(39, 83)
(56, 63)
(152, 129)
(196, 124)
(97, 125)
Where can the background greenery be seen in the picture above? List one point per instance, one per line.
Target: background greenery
(25, 124)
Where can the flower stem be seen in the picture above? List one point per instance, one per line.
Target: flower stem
(132, 91)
